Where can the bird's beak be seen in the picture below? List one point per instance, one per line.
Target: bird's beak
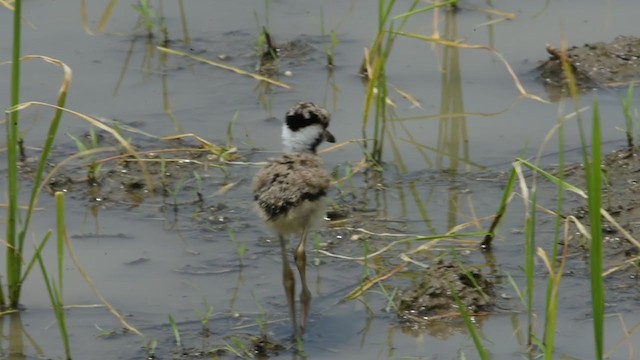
(328, 137)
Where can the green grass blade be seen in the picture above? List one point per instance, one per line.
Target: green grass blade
(529, 267)
(594, 189)
(61, 236)
(176, 331)
(627, 103)
(57, 305)
(13, 256)
(553, 283)
(482, 351)
(516, 288)
(48, 145)
(491, 233)
(16, 241)
(61, 232)
(552, 178)
(38, 250)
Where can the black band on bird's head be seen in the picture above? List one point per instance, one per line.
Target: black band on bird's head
(305, 114)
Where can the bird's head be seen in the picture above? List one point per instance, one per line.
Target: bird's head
(305, 128)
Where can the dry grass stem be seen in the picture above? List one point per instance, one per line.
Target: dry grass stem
(371, 282)
(97, 123)
(341, 145)
(224, 66)
(461, 45)
(97, 292)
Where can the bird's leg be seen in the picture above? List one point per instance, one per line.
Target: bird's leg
(289, 283)
(305, 295)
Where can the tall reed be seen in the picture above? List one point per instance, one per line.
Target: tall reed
(555, 269)
(55, 289)
(593, 173)
(14, 263)
(374, 67)
(16, 240)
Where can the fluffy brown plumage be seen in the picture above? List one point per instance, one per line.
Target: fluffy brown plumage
(290, 194)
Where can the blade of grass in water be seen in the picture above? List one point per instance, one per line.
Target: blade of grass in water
(61, 233)
(55, 290)
(553, 285)
(224, 66)
(13, 256)
(61, 236)
(176, 331)
(594, 189)
(628, 114)
(529, 267)
(555, 276)
(491, 233)
(529, 200)
(42, 162)
(375, 64)
(482, 351)
(56, 303)
(553, 179)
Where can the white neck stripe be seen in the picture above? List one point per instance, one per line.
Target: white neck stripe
(302, 140)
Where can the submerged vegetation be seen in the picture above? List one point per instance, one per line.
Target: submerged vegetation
(427, 279)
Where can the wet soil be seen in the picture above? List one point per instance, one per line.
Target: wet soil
(595, 65)
(176, 169)
(241, 346)
(293, 53)
(620, 198)
(432, 297)
(430, 300)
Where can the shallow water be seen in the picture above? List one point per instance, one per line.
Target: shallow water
(151, 260)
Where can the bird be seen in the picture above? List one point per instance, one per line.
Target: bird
(290, 195)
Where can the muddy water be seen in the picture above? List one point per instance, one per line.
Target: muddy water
(150, 258)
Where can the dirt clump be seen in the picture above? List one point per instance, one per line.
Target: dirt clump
(178, 170)
(431, 296)
(595, 65)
